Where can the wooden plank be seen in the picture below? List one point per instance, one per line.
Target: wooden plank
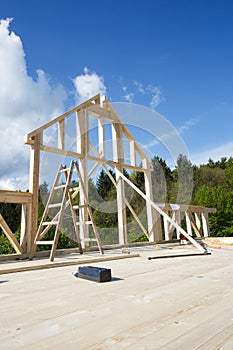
(188, 223)
(54, 205)
(82, 171)
(118, 156)
(23, 228)
(137, 219)
(34, 185)
(78, 155)
(113, 164)
(192, 224)
(161, 212)
(44, 242)
(101, 112)
(197, 221)
(205, 224)
(101, 137)
(15, 197)
(61, 134)
(186, 208)
(93, 169)
(154, 225)
(6, 229)
(62, 152)
(48, 265)
(132, 153)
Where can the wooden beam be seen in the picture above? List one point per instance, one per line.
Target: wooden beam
(23, 227)
(188, 223)
(83, 146)
(198, 221)
(15, 197)
(194, 226)
(205, 224)
(186, 208)
(132, 153)
(177, 218)
(10, 235)
(34, 185)
(118, 157)
(101, 137)
(61, 134)
(62, 152)
(153, 221)
(161, 212)
(137, 219)
(101, 112)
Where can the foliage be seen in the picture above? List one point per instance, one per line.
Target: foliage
(211, 183)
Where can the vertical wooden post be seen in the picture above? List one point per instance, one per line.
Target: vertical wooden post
(166, 227)
(132, 153)
(178, 220)
(61, 134)
(83, 148)
(101, 137)
(188, 223)
(197, 220)
(153, 217)
(34, 186)
(205, 224)
(23, 226)
(118, 157)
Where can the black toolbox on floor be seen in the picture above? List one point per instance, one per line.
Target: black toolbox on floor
(93, 273)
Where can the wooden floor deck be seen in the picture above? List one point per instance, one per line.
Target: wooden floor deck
(178, 303)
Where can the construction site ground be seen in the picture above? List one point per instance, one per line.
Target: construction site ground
(171, 302)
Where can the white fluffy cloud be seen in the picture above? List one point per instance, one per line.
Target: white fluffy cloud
(88, 85)
(150, 92)
(24, 105)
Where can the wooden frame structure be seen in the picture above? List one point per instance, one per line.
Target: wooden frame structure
(85, 153)
(25, 200)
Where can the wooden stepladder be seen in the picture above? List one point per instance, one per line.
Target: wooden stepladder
(68, 195)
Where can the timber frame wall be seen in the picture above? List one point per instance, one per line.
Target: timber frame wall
(167, 215)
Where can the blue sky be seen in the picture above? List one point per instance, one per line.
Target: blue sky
(173, 56)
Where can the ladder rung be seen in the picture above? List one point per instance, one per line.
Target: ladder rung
(64, 170)
(73, 189)
(90, 239)
(79, 206)
(46, 223)
(59, 186)
(44, 242)
(54, 205)
(86, 222)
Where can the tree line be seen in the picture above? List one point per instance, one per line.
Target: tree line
(209, 185)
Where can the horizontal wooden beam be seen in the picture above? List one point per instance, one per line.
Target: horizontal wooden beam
(101, 112)
(15, 197)
(186, 208)
(61, 151)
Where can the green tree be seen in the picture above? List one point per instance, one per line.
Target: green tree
(162, 180)
(182, 186)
